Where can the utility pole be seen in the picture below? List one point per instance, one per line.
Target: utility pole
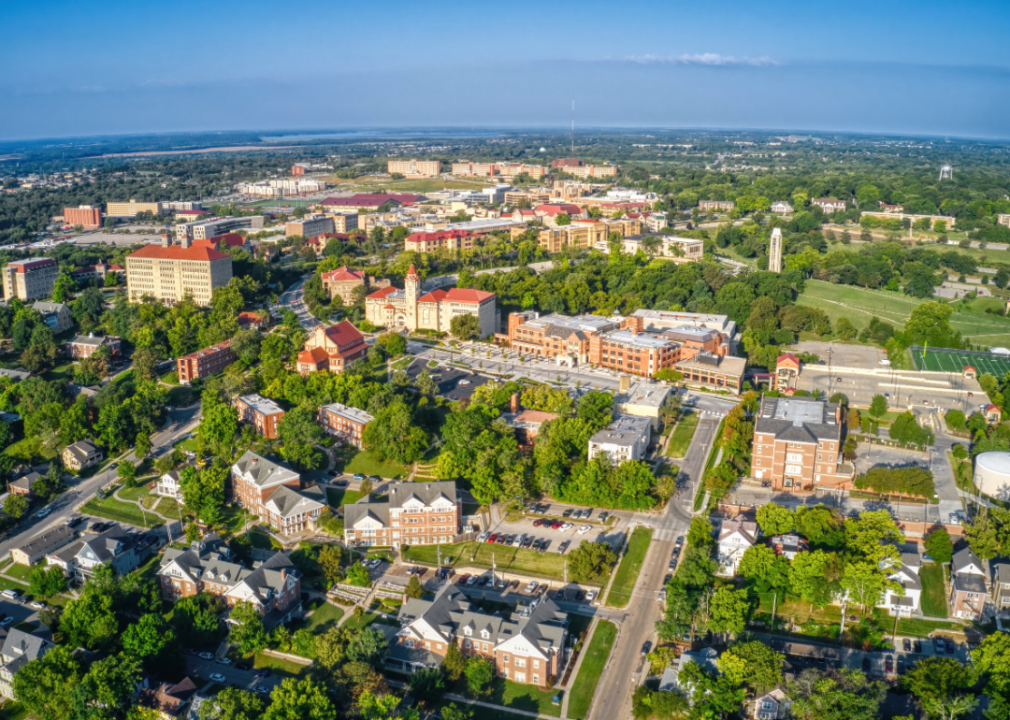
(775, 598)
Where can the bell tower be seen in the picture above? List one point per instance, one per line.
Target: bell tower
(411, 292)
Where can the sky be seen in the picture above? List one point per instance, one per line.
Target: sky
(85, 67)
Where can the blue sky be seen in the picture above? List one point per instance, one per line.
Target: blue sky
(88, 67)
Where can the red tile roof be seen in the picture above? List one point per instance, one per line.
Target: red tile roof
(460, 295)
(344, 333)
(314, 356)
(990, 407)
(342, 274)
(177, 252)
(788, 356)
(249, 318)
(229, 239)
(562, 208)
(383, 292)
(371, 199)
(322, 238)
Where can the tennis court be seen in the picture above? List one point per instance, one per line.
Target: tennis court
(955, 361)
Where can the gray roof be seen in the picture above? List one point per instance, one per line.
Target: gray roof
(47, 307)
(963, 559)
(262, 471)
(798, 419)
(624, 430)
(95, 340)
(262, 405)
(969, 583)
(366, 507)
(16, 374)
(104, 546)
(21, 648)
(206, 561)
(427, 493)
(26, 481)
(82, 449)
(1001, 572)
(49, 538)
(288, 501)
(349, 413)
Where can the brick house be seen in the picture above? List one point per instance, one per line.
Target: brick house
(84, 346)
(204, 363)
(347, 424)
(24, 485)
(261, 413)
(332, 348)
(273, 492)
(413, 514)
(829, 205)
(968, 585)
(528, 648)
(274, 587)
(798, 444)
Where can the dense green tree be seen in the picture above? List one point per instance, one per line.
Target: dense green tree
(247, 632)
(775, 519)
(43, 686)
(299, 700)
(587, 560)
(939, 546)
(479, 674)
(753, 664)
(233, 703)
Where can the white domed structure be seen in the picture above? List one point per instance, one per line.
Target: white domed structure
(992, 474)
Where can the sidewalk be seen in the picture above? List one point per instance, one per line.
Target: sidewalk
(575, 670)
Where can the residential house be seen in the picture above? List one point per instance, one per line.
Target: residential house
(829, 205)
(24, 485)
(261, 413)
(290, 512)
(1001, 586)
(413, 514)
(81, 455)
(169, 485)
(345, 423)
(774, 705)
(41, 545)
(781, 207)
(789, 546)
(968, 585)
(84, 346)
(255, 481)
(274, 586)
(252, 321)
(529, 648)
(626, 438)
(19, 649)
(56, 315)
(114, 547)
(735, 537)
(707, 658)
(905, 572)
(169, 699)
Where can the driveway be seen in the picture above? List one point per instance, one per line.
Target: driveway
(244, 679)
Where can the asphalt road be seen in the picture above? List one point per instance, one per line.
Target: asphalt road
(293, 299)
(181, 421)
(245, 679)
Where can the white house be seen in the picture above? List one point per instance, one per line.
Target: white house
(169, 485)
(626, 438)
(773, 705)
(781, 207)
(735, 537)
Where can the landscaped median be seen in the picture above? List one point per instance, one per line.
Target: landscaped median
(593, 662)
(631, 565)
(507, 559)
(683, 434)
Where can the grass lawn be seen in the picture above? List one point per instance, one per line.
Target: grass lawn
(403, 363)
(182, 396)
(27, 627)
(187, 444)
(588, 678)
(365, 620)
(485, 713)
(21, 571)
(112, 509)
(934, 601)
(262, 540)
(631, 565)
(324, 617)
(63, 373)
(282, 668)
(548, 565)
(338, 497)
(171, 377)
(682, 436)
(134, 493)
(513, 696)
(6, 584)
(351, 460)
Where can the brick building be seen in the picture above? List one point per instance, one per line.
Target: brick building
(30, 279)
(274, 587)
(204, 363)
(347, 424)
(309, 226)
(86, 216)
(332, 348)
(528, 648)
(412, 514)
(84, 346)
(273, 492)
(969, 585)
(798, 445)
(414, 168)
(261, 413)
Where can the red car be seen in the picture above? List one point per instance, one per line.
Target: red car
(556, 524)
(462, 579)
(493, 538)
(538, 522)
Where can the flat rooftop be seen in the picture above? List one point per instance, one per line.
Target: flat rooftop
(798, 411)
(625, 430)
(641, 340)
(351, 413)
(262, 405)
(645, 394)
(585, 323)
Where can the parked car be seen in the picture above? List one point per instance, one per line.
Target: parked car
(604, 515)
(680, 541)
(264, 672)
(667, 579)
(586, 513)
(673, 565)
(217, 677)
(950, 647)
(375, 563)
(73, 521)
(513, 585)
(43, 512)
(906, 645)
(536, 544)
(375, 478)
(6, 621)
(901, 666)
(261, 690)
(545, 545)
(590, 596)
(646, 647)
(38, 604)
(527, 540)
(938, 645)
(223, 661)
(866, 664)
(917, 646)
(518, 541)
(563, 547)
(676, 551)
(501, 539)
(359, 476)
(560, 594)
(889, 664)
(462, 579)
(242, 666)
(580, 596)
(531, 586)
(567, 513)
(566, 526)
(584, 529)
(538, 522)
(207, 656)
(493, 539)
(472, 580)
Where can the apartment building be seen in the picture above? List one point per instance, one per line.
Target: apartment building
(1003, 219)
(19, 649)
(261, 413)
(81, 455)
(412, 514)
(368, 202)
(347, 424)
(204, 229)
(735, 538)
(310, 225)
(342, 281)
(414, 168)
(30, 280)
(530, 197)
(426, 242)
(282, 187)
(969, 585)
(409, 309)
(171, 273)
(133, 208)
(274, 586)
(86, 216)
(84, 346)
(42, 544)
(798, 445)
(332, 348)
(717, 205)
(663, 320)
(931, 219)
(626, 438)
(204, 363)
(829, 205)
(272, 491)
(592, 171)
(565, 163)
(528, 648)
(343, 222)
(508, 171)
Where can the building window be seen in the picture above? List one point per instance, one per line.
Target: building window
(505, 657)
(466, 644)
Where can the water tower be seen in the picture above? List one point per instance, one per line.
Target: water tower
(946, 172)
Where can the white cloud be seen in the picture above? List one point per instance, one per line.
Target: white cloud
(711, 59)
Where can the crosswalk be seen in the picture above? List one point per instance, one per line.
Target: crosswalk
(712, 413)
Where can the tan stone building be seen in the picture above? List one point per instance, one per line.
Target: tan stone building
(133, 208)
(81, 455)
(170, 273)
(585, 233)
(414, 168)
(310, 225)
(30, 279)
(425, 242)
(332, 348)
(343, 280)
(414, 513)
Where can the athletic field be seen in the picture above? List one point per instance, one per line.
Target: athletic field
(955, 361)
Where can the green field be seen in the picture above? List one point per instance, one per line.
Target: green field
(365, 620)
(956, 360)
(351, 460)
(591, 669)
(682, 435)
(323, 618)
(631, 565)
(112, 509)
(860, 305)
(339, 496)
(934, 599)
(548, 565)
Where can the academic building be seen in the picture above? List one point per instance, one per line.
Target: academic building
(169, 272)
(30, 279)
(414, 168)
(413, 513)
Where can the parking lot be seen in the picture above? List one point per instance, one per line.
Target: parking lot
(556, 525)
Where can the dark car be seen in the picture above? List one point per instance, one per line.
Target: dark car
(866, 664)
(265, 672)
(543, 548)
(538, 522)
(673, 565)
(513, 585)
(462, 579)
(560, 594)
(375, 478)
(901, 666)
(580, 596)
(917, 646)
(567, 513)
(527, 541)
(676, 551)
(501, 540)
(906, 645)
(889, 665)
(536, 544)
(680, 541)
(603, 516)
(667, 579)
(646, 647)
(950, 647)
(241, 666)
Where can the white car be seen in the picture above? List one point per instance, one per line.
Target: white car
(566, 526)
(584, 529)
(483, 536)
(224, 661)
(12, 594)
(218, 677)
(43, 512)
(37, 604)
(590, 596)
(518, 541)
(472, 580)
(531, 586)
(375, 563)
(207, 656)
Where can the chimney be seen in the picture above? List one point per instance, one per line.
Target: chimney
(186, 241)
(166, 240)
(514, 403)
(625, 383)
